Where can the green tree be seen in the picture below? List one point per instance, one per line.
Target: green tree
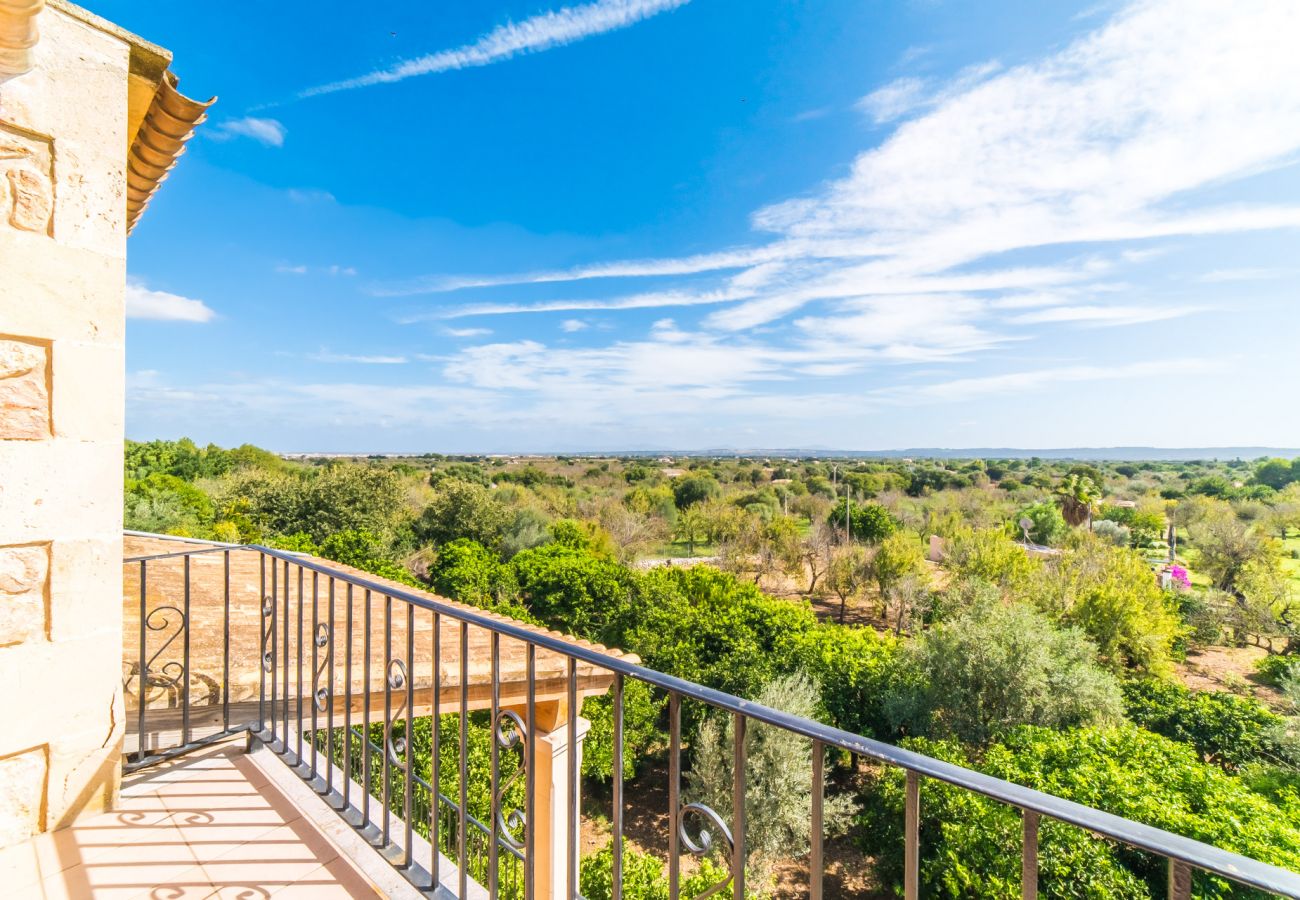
(1048, 524)
(1077, 494)
(870, 523)
(995, 667)
(463, 509)
(848, 574)
(778, 774)
(689, 490)
(990, 556)
(898, 558)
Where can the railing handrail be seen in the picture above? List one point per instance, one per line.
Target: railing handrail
(1206, 857)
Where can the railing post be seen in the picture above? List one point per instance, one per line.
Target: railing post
(1029, 855)
(912, 839)
(816, 835)
(1180, 880)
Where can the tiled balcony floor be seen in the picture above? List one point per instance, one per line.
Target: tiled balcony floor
(209, 825)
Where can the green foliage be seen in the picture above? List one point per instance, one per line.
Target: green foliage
(1111, 593)
(1123, 770)
(641, 732)
(467, 571)
(778, 777)
(995, 667)
(689, 490)
(464, 509)
(1278, 473)
(1278, 667)
(992, 557)
(855, 668)
(1224, 728)
(870, 523)
(573, 590)
(1048, 526)
(367, 551)
(459, 472)
(341, 497)
(643, 876)
(706, 626)
(167, 504)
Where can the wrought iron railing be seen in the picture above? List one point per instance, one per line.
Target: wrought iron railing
(361, 759)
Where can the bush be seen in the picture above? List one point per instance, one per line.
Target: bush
(1112, 532)
(1048, 526)
(997, 666)
(854, 668)
(641, 733)
(643, 876)
(870, 523)
(1276, 668)
(966, 840)
(1223, 728)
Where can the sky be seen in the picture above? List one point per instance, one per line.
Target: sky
(696, 224)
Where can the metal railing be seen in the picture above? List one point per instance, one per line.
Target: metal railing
(362, 760)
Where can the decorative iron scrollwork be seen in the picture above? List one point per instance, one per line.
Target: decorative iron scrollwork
(396, 742)
(509, 731)
(703, 844)
(169, 675)
(268, 634)
(319, 692)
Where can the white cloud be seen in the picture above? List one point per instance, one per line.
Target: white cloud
(1104, 315)
(302, 269)
(553, 28)
(569, 326)
(142, 303)
(466, 332)
(269, 132)
(325, 356)
(1219, 275)
(962, 389)
(894, 100)
(291, 270)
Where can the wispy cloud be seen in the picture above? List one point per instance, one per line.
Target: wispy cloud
(466, 332)
(269, 132)
(1098, 314)
(142, 303)
(553, 28)
(303, 269)
(894, 100)
(1039, 379)
(1220, 275)
(569, 326)
(325, 356)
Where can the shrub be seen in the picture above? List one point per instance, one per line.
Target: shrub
(854, 668)
(1223, 728)
(1048, 526)
(1275, 668)
(1112, 532)
(641, 733)
(643, 876)
(966, 840)
(870, 523)
(997, 666)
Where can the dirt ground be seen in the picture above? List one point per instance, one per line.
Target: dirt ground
(1228, 669)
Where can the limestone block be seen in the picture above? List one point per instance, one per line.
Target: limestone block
(24, 586)
(89, 392)
(60, 489)
(24, 390)
(84, 599)
(51, 290)
(27, 182)
(22, 795)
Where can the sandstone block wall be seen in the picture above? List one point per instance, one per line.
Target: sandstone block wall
(63, 143)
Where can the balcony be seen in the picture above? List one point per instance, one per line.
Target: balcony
(271, 751)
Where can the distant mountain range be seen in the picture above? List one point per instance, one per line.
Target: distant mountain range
(1080, 453)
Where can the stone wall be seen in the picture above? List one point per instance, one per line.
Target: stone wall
(63, 142)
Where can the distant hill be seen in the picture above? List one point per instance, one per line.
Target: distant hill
(1079, 453)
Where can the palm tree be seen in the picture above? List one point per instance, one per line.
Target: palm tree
(1077, 494)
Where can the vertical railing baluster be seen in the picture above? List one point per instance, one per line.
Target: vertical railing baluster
(273, 644)
(530, 779)
(616, 869)
(143, 696)
(347, 702)
(1029, 855)
(1180, 880)
(738, 807)
(386, 792)
(674, 794)
(816, 835)
(284, 709)
(435, 764)
(225, 641)
(571, 844)
(409, 773)
(315, 664)
(912, 838)
(298, 699)
(366, 785)
(463, 824)
(494, 851)
(329, 695)
(185, 653)
(261, 599)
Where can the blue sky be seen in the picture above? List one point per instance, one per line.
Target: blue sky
(512, 226)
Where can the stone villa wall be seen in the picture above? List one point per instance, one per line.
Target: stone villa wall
(63, 143)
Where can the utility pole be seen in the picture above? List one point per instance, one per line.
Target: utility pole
(848, 512)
